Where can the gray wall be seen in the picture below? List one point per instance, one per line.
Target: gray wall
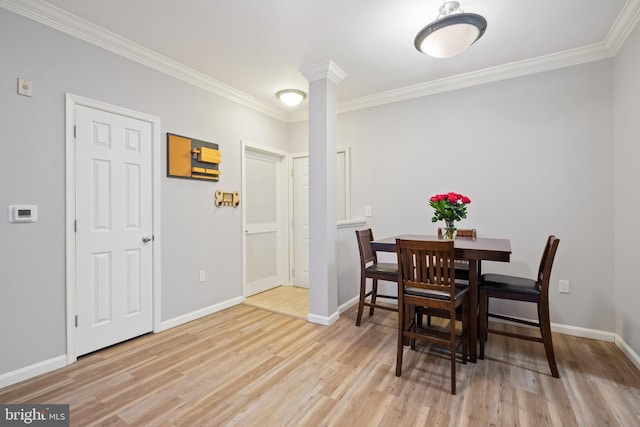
(348, 263)
(195, 234)
(534, 154)
(627, 178)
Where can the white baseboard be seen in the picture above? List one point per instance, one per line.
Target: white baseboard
(176, 321)
(323, 320)
(577, 331)
(628, 351)
(347, 305)
(32, 371)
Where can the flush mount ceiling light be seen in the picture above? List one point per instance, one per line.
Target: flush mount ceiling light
(451, 33)
(291, 97)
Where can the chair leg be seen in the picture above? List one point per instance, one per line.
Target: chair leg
(374, 294)
(452, 350)
(453, 372)
(482, 318)
(545, 331)
(401, 315)
(411, 314)
(363, 292)
(465, 331)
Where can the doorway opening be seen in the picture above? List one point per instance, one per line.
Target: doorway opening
(276, 277)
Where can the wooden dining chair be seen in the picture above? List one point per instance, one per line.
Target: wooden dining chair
(426, 278)
(521, 289)
(370, 268)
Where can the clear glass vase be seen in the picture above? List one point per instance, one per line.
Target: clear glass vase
(449, 230)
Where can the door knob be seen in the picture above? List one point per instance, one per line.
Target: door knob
(147, 239)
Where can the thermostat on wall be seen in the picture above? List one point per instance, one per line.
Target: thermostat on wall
(23, 213)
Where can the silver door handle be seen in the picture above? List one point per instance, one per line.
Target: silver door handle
(147, 239)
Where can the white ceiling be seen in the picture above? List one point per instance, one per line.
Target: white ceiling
(258, 46)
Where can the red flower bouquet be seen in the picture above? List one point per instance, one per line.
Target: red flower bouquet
(449, 207)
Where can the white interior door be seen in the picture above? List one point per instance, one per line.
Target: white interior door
(301, 221)
(301, 211)
(264, 201)
(114, 224)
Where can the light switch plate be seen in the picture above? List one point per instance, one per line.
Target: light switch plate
(564, 287)
(25, 87)
(368, 211)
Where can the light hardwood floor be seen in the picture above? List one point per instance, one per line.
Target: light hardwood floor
(249, 367)
(289, 300)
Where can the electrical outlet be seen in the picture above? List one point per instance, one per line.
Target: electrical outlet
(203, 276)
(564, 286)
(25, 87)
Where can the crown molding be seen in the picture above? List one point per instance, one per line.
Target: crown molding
(475, 78)
(623, 26)
(61, 20)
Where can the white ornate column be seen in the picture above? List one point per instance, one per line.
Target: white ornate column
(323, 278)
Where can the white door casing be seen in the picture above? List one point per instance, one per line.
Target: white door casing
(113, 200)
(264, 208)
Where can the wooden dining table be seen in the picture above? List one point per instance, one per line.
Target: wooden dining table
(469, 249)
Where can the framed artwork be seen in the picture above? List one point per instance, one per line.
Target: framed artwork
(192, 158)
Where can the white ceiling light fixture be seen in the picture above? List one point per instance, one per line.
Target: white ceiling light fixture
(291, 97)
(451, 33)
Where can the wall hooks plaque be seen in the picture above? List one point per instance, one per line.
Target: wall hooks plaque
(192, 158)
(227, 199)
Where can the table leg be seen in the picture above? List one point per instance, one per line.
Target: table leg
(473, 310)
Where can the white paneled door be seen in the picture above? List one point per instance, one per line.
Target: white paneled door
(114, 244)
(301, 211)
(264, 205)
(301, 221)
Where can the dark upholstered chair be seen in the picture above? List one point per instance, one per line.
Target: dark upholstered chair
(521, 289)
(426, 278)
(370, 268)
